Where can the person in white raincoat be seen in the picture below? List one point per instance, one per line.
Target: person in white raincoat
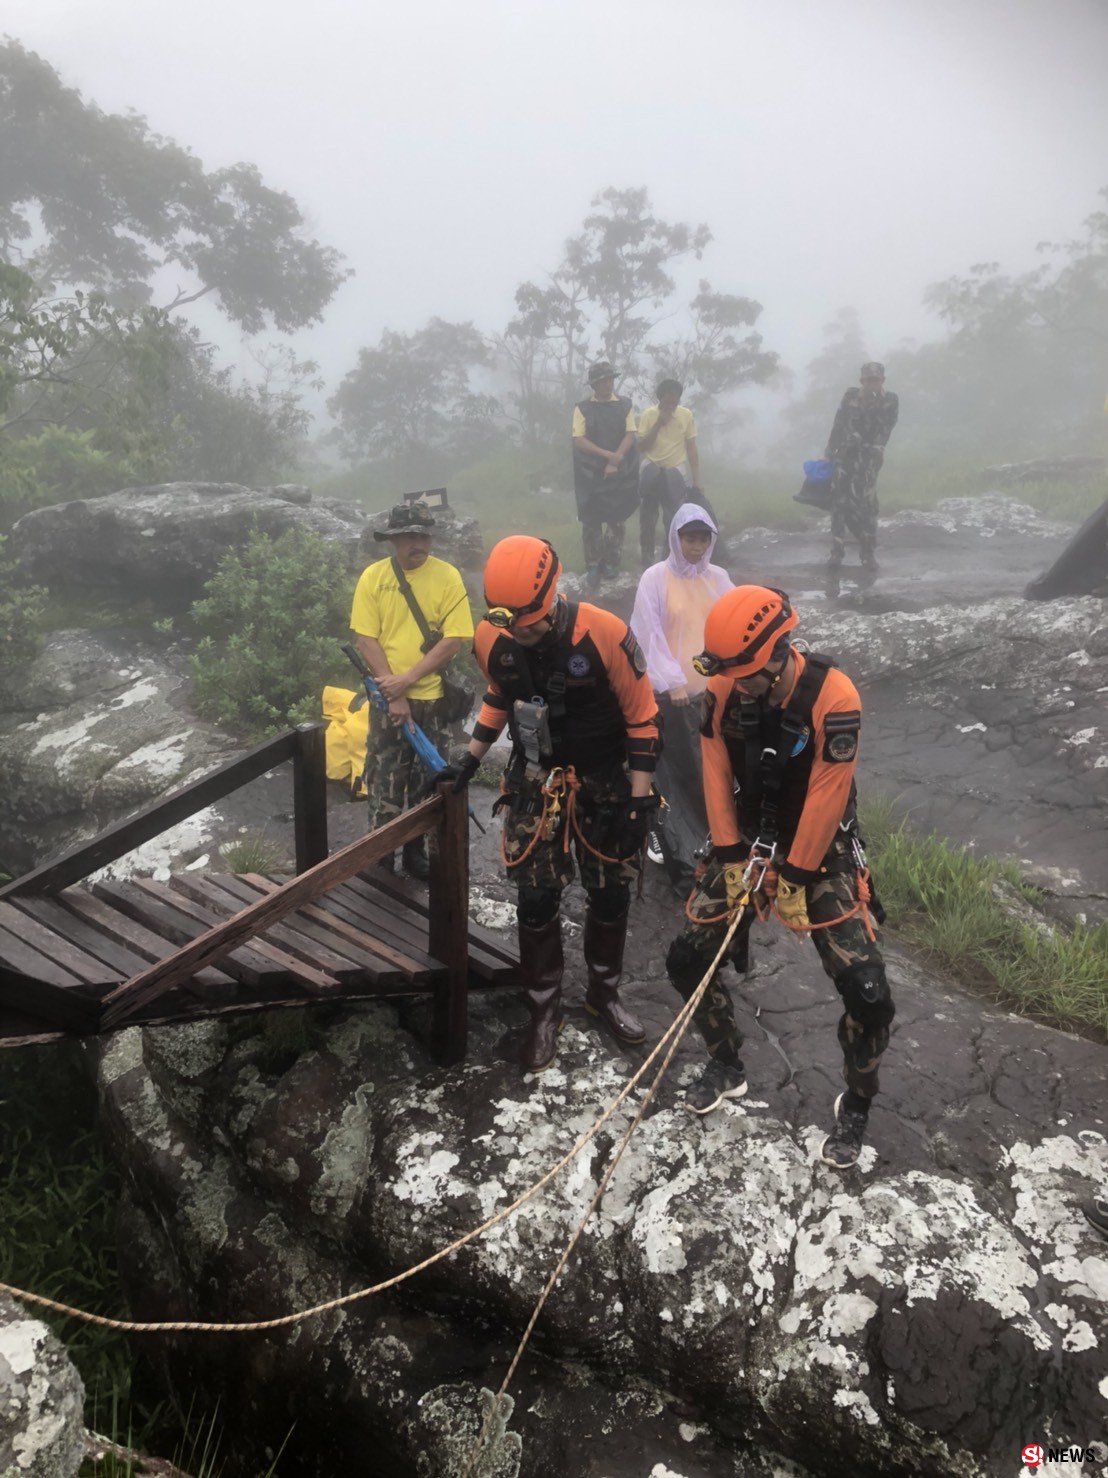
(671, 604)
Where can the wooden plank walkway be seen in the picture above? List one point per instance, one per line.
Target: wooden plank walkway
(60, 956)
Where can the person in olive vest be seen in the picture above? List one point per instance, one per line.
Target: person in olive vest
(605, 471)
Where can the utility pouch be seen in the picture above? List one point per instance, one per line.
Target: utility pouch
(531, 725)
(431, 640)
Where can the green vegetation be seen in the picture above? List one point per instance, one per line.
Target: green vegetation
(254, 854)
(270, 628)
(970, 915)
(21, 620)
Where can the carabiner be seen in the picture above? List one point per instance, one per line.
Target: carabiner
(758, 864)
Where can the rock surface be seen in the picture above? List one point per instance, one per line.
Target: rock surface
(162, 543)
(735, 1305)
(41, 1400)
(99, 727)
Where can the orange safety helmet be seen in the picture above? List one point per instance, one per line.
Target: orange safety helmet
(521, 579)
(743, 628)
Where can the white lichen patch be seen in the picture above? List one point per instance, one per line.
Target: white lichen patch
(163, 759)
(156, 858)
(491, 913)
(424, 1173)
(344, 1159)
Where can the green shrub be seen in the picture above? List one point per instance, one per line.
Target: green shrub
(21, 609)
(270, 628)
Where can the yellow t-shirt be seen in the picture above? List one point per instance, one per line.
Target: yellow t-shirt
(671, 447)
(579, 419)
(380, 611)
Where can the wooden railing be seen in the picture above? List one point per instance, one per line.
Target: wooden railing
(304, 746)
(443, 814)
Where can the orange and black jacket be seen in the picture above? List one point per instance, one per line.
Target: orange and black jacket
(817, 789)
(594, 671)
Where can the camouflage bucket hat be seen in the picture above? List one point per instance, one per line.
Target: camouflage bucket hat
(871, 370)
(602, 370)
(406, 518)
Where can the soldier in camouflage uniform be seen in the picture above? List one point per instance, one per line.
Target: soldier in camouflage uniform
(863, 424)
(784, 727)
(580, 774)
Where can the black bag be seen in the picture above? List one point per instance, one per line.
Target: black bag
(817, 494)
(457, 698)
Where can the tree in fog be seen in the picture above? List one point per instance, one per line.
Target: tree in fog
(99, 384)
(1022, 370)
(609, 297)
(413, 392)
(97, 201)
(809, 416)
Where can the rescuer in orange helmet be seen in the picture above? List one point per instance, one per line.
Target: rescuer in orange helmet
(783, 727)
(569, 680)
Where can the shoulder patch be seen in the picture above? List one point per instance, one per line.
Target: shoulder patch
(634, 654)
(840, 737)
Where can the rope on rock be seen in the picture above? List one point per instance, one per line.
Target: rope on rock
(686, 1014)
(675, 1030)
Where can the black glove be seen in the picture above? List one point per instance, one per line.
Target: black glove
(457, 775)
(636, 817)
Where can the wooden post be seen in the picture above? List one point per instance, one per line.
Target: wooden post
(309, 791)
(448, 927)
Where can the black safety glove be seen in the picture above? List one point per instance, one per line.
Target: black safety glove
(636, 817)
(457, 775)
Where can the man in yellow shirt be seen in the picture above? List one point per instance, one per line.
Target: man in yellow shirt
(667, 439)
(605, 471)
(405, 661)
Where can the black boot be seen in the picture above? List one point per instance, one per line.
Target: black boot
(541, 965)
(414, 857)
(387, 863)
(604, 942)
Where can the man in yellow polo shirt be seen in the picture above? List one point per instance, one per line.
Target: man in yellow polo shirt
(667, 439)
(406, 662)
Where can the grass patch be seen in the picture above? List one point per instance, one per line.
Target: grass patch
(970, 915)
(254, 854)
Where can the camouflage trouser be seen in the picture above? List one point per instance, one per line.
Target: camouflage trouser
(549, 864)
(393, 775)
(849, 956)
(603, 543)
(855, 509)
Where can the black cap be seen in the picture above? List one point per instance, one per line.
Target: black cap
(406, 518)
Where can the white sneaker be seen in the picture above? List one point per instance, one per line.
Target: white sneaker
(654, 851)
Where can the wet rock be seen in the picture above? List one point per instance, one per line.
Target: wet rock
(41, 1400)
(163, 543)
(922, 1312)
(99, 726)
(1073, 468)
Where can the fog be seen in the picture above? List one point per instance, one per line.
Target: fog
(841, 154)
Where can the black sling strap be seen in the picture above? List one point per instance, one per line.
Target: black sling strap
(430, 638)
(765, 765)
(555, 681)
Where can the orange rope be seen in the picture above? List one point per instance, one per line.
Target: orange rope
(864, 896)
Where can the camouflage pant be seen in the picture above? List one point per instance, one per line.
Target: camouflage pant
(393, 775)
(855, 509)
(549, 863)
(603, 543)
(849, 956)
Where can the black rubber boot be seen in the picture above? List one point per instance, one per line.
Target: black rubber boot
(541, 965)
(604, 960)
(414, 857)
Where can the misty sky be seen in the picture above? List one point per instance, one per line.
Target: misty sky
(842, 151)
